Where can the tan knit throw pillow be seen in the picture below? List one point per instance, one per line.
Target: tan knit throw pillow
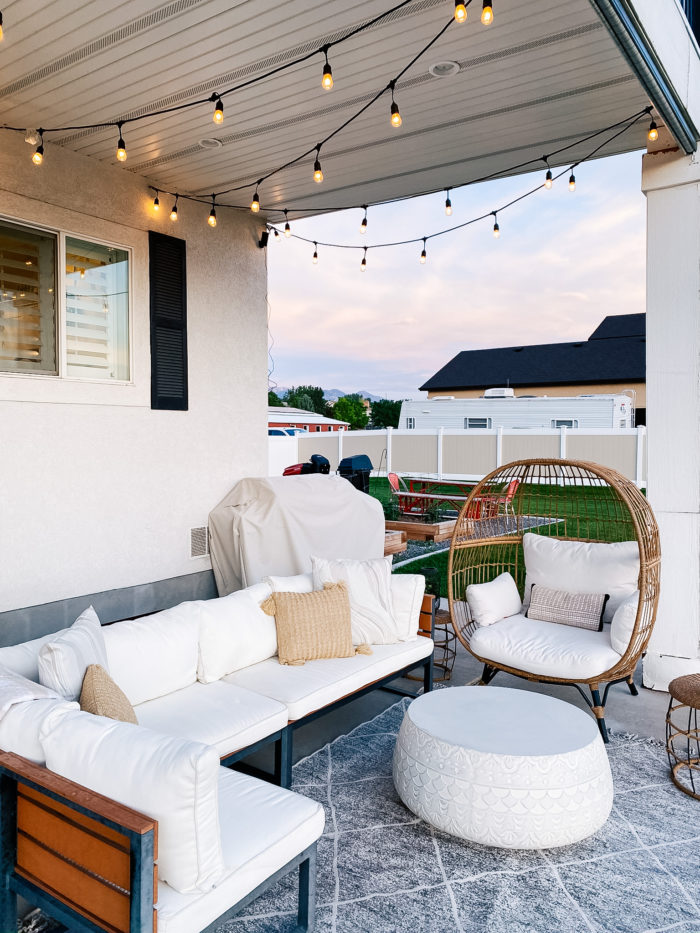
(101, 696)
(313, 625)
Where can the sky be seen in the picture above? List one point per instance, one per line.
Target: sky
(563, 262)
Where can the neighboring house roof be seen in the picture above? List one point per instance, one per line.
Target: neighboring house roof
(283, 414)
(615, 352)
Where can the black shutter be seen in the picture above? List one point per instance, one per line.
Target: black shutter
(168, 279)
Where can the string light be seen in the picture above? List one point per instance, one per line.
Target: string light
(487, 13)
(423, 255)
(496, 228)
(121, 145)
(327, 79)
(255, 203)
(548, 177)
(38, 156)
(156, 202)
(653, 133)
(211, 220)
(460, 12)
(448, 203)
(363, 264)
(318, 171)
(287, 228)
(218, 115)
(363, 225)
(572, 181)
(396, 120)
(2, 36)
(275, 233)
(314, 259)
(173, 209)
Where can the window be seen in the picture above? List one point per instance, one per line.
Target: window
(410, 423)
(80, 330)
(565, 423)
(477, 423)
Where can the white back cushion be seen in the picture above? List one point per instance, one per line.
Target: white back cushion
(155, 655)
(19, 727)
(298, 583)
(234, 632)
(490, 602)
(24, 658)
(622, 624)
(582, 567)
(369, 586)
(174, 781)
(64, 659)
(407, 591)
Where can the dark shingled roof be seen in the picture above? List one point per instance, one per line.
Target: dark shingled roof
(615, 352)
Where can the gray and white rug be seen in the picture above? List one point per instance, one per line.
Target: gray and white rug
(380, 870)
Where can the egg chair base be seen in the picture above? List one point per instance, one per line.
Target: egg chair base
(594, 702)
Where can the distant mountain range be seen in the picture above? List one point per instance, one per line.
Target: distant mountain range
(332, 395)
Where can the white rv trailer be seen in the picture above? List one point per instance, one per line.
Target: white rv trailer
(499, 408)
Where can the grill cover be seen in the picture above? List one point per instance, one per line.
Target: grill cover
(272, 525)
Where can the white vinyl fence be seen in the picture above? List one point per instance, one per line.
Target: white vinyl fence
(466, 455)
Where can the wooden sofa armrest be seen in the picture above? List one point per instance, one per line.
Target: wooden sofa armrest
(84, 858)
(426, 620)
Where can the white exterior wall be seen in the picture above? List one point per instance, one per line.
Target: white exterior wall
(97, 491)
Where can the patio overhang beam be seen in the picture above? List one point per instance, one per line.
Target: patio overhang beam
(631, 37)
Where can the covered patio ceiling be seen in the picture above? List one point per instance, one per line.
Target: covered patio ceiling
(540, 77)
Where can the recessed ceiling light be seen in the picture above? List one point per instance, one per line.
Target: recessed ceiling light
(444, 69)
(210, 143)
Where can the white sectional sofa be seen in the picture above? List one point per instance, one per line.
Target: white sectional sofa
(207, 690)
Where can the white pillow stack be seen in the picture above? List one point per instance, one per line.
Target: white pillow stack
(63, 660)
(234, 633)
(369, 586)
(490, 602)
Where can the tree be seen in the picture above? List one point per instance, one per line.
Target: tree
(310, 398)
(351, 408)
(273, 399)
(385, 413)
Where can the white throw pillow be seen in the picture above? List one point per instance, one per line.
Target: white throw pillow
(407, 591)
(299, 583)
(64, 660)
(234, 633)
(172, 780)
(490, 602)
(582, 567)
(622, 624)
(369, 586)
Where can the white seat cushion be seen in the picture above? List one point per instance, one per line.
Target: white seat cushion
(262, 828)
(407, 591)
(318, 683)
(218, 714)
(545, 648)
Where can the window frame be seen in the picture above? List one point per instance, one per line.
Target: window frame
(410, 423)
(60, 309)
(571, 424)
(482, 427)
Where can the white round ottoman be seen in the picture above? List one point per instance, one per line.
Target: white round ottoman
(503, 767)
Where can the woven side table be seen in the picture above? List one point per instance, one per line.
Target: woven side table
(682, 734)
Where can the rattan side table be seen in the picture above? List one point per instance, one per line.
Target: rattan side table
(682, 734)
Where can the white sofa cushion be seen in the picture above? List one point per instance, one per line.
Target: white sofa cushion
(298, 583)
(490, 602)
(407, 591)
(155, 655)
(369, 586)
(218, 714)
(622, 624)
(262, 828)
(64, 659)
(318, 683)
(24, 658)
(234, 632)
(582, 567)
(545, 648)
(170, 779)
(19, 727)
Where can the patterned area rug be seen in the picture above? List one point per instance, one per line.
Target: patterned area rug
(380, 870)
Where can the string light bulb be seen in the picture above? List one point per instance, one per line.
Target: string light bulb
(460, 12)
(572, 182)
(363, 225)
(255, 203)
(156, 203)
(211, 219)
(314, 259)
(496, 228)
(363, 264)
(548, 179)
(173, 210)
(396, 120)
(38, 156)
(2, 35)
(318, 171)
(487, 13)
(653, 133)
(423, 255)
(275, 233)
(218, 115)
(287, 228)
(448, 203)
(327, 79)
(121, 145)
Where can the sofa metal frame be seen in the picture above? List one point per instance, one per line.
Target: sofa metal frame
(91, 863)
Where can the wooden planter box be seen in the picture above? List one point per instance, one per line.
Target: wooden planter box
(417, 530)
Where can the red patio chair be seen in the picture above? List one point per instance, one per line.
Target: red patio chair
(489, 506)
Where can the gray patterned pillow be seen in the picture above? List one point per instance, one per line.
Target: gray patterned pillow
(582, 610)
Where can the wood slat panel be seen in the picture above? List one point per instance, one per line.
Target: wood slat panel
(425, 620)
(110, 834)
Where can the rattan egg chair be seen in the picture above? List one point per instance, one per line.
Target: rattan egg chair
(569, 500)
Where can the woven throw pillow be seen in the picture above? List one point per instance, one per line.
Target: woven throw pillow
(581, 610)
(313, 625)
(102, 697)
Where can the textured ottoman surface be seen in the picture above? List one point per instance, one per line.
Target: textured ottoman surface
(503, 767)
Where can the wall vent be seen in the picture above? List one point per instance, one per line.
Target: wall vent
(199, 542)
